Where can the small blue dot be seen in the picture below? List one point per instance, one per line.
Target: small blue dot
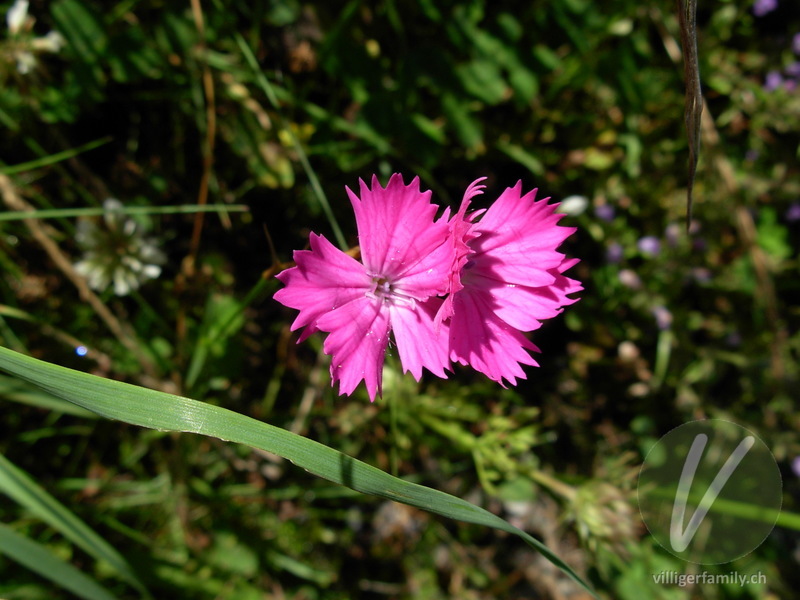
(81, 350)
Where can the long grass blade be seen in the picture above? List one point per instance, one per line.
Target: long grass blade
(19, 486)
(53, 158)
(39, 559)
(166, 412)
(15, 390)
(65, 213)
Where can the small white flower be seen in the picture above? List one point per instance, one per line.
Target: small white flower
(573, 205)
(52, 42)
(25, 61)
(116, 252)
(16, 16)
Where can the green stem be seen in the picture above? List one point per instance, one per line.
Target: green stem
(554, 485)
(63, 213)
(393, 430)
(735, 508)
(53, 158)
(663, 351)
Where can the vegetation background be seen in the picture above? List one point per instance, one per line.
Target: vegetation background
(263, 110)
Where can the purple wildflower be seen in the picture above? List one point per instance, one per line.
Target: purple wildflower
(763, 7)
(604, 212)
(649, 245)
(793, 212)
(773, 81)
(673, 234)
(614, 253)
(663, 317)
(793, 70)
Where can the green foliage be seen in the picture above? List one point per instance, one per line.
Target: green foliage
(276, 106)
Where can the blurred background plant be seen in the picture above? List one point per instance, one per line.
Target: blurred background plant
(278, 105)
(116, 252)
(21, 45)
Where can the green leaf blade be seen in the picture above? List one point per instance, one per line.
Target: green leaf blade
(19, 486)
(167, 412)
(39, 559)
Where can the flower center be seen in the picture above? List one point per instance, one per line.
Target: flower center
(383, 289)
(382, 285)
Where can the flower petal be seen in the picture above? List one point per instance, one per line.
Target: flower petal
(460, 234)
(525, 307)
(399, 239)
(522, 220)
(518, 238)
(484, 341)
(324, 279)
(359, 333)
(16, 16)
(419, 343)
(511, 282)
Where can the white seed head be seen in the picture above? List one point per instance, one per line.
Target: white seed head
(16, 16)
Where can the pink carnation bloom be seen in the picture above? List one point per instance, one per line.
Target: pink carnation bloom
(510, 278)
(406, 262)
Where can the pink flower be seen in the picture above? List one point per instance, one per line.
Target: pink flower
(460, 289)
(406, 262)
(510, 279)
